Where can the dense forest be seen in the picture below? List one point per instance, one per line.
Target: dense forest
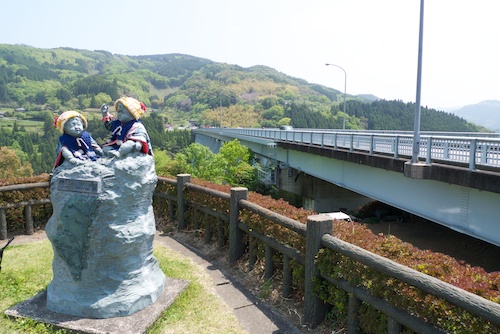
(38, 149)
(179, 90)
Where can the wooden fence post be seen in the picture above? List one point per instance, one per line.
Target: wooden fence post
(269, 265)
(236, 246)
(352, 314)
(28, 218)
(287, 277)
(393, 326)
(171, 211)
(3, 224)
(182, 179)
(314, 308)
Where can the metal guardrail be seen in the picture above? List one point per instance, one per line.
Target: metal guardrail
(475, 150)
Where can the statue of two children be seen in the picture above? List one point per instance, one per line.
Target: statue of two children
(128, 134)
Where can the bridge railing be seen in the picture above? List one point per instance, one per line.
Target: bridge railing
(474, 150)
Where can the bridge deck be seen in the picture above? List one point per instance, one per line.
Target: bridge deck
(457, 183)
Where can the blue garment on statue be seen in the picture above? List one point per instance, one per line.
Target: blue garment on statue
(120, 130)
(81, 147)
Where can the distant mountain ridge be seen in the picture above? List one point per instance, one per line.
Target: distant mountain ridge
(485, 113)
(185, 89)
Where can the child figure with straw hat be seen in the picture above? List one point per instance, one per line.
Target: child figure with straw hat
(75, 144)
(128, 134)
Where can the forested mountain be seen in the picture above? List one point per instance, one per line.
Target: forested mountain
(183, 87)
(178, 90)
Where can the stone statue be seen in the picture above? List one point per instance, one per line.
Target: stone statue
(75, 144)
(128, 134)
(102, 230)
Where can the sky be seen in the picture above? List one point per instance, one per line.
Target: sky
(375, 43)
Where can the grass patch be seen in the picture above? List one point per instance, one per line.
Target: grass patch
(27, 270)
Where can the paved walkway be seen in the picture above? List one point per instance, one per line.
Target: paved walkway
(254, 317)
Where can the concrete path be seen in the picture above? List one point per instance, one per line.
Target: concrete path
(254, 317)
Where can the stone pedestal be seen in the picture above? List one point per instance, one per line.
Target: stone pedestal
(102, 232)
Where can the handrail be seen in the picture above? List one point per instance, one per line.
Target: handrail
(474, 150)
(27, 204)
(24, 186)
(428, 284)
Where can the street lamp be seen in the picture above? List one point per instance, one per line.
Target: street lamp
(220, 98)
(345, 89)
(416, 122)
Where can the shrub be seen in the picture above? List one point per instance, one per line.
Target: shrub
(402, 295)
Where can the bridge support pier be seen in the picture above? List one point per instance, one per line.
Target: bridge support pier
(417, 170)
(317, 194)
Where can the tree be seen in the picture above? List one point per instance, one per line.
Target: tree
(162, 160)
(235, 158)
(4, 96)
(230, 166)
(53, 102)
(101, 98)
(233, 152)
(11, 165)
(273, 116)
(40, 98)
(284, 121)
(63, 94)
(93, 102)
(274, 113)
(234, 116)
(202, 163)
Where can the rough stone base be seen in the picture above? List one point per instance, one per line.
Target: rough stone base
(35, 309)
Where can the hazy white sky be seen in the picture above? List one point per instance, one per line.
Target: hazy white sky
(374, 41)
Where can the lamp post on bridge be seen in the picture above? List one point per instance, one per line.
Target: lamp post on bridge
(416, 124)
(220, 103)
(345, 90)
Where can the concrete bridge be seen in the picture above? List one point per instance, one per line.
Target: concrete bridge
(456, 182)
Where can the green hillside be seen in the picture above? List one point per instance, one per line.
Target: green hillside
(185, 88)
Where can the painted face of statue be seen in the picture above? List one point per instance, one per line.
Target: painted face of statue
(74, 127)
(124, 115)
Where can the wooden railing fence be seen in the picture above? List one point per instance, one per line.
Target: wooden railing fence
(317, 234)
(28, 217)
